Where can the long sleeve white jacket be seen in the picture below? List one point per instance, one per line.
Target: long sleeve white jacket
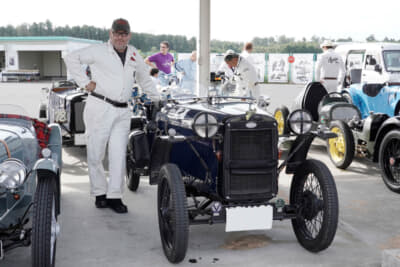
(113, 79)
(330, 65)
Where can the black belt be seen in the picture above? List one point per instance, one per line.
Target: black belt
(112, 102)
(329, 78)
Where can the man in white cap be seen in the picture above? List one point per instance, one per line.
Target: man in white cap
(330, 69)
(244, 73)
(115, 67)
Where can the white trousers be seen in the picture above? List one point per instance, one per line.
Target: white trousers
(106, 124)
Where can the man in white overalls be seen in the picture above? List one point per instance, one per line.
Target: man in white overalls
(115, 67)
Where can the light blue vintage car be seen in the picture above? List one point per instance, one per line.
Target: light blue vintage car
(30, 169)
(377, 98)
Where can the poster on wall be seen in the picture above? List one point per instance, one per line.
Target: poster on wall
(278, 68)
(302, 68)
(354, 61)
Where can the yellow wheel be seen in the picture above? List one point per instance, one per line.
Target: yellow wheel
(281, 114)
(341, 148)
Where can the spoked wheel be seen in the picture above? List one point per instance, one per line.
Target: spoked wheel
(313, 192)
(132, 176)
(173, 217)
(389, 160)
(341, 148)
(281, 114)
(45, 227)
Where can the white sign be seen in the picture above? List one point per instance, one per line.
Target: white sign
(278, 68)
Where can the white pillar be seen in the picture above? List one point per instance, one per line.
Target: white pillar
(203, 49)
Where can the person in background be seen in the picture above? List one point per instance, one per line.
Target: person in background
(188, 67)
(115, 67)
(330, 70)
(245, 75)
(154, 76)
(246, 53)
(163, 62)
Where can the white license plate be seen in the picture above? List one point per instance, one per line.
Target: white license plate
(79, 139)
(248, 218)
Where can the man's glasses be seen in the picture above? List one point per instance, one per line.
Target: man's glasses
(163, 47)
(118, 34)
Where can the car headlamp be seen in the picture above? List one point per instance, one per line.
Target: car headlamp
(205, 125)
(12, 173)
(300, 121)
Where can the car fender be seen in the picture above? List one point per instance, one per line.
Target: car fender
(46, 164)
(388, 125)
(160, 154)
(55, 143)
(298, 155)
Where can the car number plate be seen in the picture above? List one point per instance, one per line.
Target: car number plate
(79, 139)
(248, 218)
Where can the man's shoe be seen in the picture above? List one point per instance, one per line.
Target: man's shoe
(101, 202)
(117, 205)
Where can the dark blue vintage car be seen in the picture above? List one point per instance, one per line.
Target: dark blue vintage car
(217, 160)
(30, 169)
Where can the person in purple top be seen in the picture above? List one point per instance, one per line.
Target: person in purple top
(162, 61)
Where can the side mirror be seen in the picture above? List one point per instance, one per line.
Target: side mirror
(378, 68)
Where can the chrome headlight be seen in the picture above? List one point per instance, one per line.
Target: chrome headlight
(300, 121)
(12, 173)
(205, 125)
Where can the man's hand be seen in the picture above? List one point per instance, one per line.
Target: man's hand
(90, 86)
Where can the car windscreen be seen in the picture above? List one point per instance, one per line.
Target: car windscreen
(392, 60)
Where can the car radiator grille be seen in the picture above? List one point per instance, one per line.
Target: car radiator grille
(250, 161)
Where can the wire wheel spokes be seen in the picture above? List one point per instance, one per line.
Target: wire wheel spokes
(312, 207)
(392, 160)
(166, 211)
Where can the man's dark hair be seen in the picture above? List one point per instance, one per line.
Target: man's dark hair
(229, 57)
(248, 46)
(153, 71)
(165, 43)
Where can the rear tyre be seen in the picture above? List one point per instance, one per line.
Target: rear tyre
(45, 227)
(281, 114)
(132, 176)
(389, 160)
(173, 217)
(313, 192)
(341, 148)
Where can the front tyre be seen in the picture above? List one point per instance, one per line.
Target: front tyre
(45, 227)
(341, 148)
(389, 160)
(173, 217)
(313, 193)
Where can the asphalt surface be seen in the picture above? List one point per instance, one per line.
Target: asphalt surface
(369, 216)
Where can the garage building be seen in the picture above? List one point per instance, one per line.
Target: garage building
(39, 56)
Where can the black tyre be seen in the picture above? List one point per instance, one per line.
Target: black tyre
(173, 217)
(313, 192)
(132, 176)
(389, 160)
(45, 227)
(281, 114)
(341, 148)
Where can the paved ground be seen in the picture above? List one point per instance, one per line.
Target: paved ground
(368, 222)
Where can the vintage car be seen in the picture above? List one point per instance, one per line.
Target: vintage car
(63, 104)
(373, 76)
(375, 137)
(216, 159)
(329, 110)
(30, 169)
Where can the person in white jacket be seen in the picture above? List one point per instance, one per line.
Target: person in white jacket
(115, 67)
(244, 74)
(330, 70)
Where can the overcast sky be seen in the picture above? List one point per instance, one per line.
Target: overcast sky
(231, 20)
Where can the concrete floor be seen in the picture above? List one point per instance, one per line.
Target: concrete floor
(368, 218)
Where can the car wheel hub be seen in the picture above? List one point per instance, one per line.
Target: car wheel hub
(337, 145)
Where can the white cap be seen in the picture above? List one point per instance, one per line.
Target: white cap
(328, 43)
(229, 52)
